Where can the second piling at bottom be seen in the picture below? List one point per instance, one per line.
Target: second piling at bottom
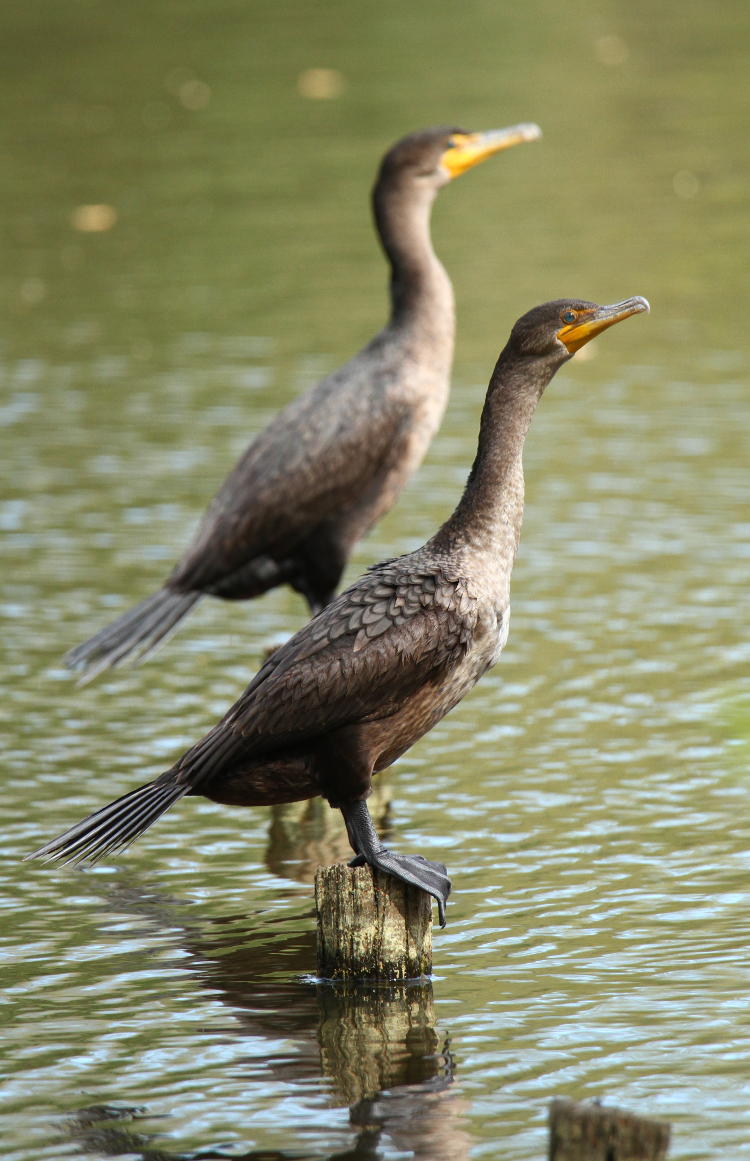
(371, 926)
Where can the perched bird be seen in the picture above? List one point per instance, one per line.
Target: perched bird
(381, 664)
(333, 461)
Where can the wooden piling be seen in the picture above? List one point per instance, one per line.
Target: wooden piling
(593, 1132)
(371, 926)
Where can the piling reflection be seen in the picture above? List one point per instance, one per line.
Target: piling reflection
(306, 835)
(379, 1037)
(382, 1049)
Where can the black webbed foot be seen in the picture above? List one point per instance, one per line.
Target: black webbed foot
(417, 870)
(414, 869)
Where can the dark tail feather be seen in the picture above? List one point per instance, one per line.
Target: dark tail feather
(136, 632)
(114, 826)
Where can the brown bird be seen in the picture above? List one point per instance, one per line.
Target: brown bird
(333, 461)
(381, 664)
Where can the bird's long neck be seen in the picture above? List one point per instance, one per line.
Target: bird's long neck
(488, 518)
(421, 292)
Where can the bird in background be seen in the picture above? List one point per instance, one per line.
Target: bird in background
(384, 661)
(332, 462)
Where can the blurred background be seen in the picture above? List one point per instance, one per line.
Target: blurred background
(186, 245)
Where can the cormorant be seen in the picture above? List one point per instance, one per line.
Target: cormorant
(332, 462)
(384, 661)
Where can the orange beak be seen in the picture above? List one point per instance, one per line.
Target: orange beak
(592, 322)
(469, 149)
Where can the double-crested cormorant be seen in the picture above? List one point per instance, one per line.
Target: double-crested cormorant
(377, 668)
(332, 462)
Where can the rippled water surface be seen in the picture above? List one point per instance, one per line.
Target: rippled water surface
(590, 796)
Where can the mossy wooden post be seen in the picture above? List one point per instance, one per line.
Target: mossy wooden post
(371, 926)
(592, 1132)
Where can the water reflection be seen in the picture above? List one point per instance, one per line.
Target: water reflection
(378, 1046)
(112, 1131)
(306, 835)
(376, 1049)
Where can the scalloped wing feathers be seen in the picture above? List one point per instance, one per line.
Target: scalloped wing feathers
(314, 458)
(394, 630)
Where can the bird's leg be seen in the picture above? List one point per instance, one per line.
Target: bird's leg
(414, 869)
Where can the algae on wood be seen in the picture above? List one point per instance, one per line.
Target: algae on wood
(371, 926)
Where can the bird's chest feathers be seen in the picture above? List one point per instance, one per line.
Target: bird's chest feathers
(489, 638)
(483, 649)
(503, 628)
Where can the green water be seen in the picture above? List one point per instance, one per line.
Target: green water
(590, 796)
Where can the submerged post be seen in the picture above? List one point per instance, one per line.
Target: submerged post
(371, 925)
(592, 1132)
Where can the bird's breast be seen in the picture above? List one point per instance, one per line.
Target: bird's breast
(388, 738)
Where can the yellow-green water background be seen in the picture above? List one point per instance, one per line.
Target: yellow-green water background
(591, 795)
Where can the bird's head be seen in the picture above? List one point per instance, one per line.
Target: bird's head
(558, 329)
(434, 156)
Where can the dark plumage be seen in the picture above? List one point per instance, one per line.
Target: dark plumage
(376, 669)
(331, 463)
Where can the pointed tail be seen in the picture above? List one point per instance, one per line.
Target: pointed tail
(114, 826)
(136, 633)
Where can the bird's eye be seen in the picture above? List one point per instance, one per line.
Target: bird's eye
(451, 144)
(568, 316)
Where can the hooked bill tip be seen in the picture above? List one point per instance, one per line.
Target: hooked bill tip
(529, 131)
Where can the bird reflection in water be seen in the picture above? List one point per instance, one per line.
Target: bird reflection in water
(112, 1131)
(375, 1049)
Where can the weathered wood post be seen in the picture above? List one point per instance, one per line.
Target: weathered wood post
(371, 926)
(593, 1132)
